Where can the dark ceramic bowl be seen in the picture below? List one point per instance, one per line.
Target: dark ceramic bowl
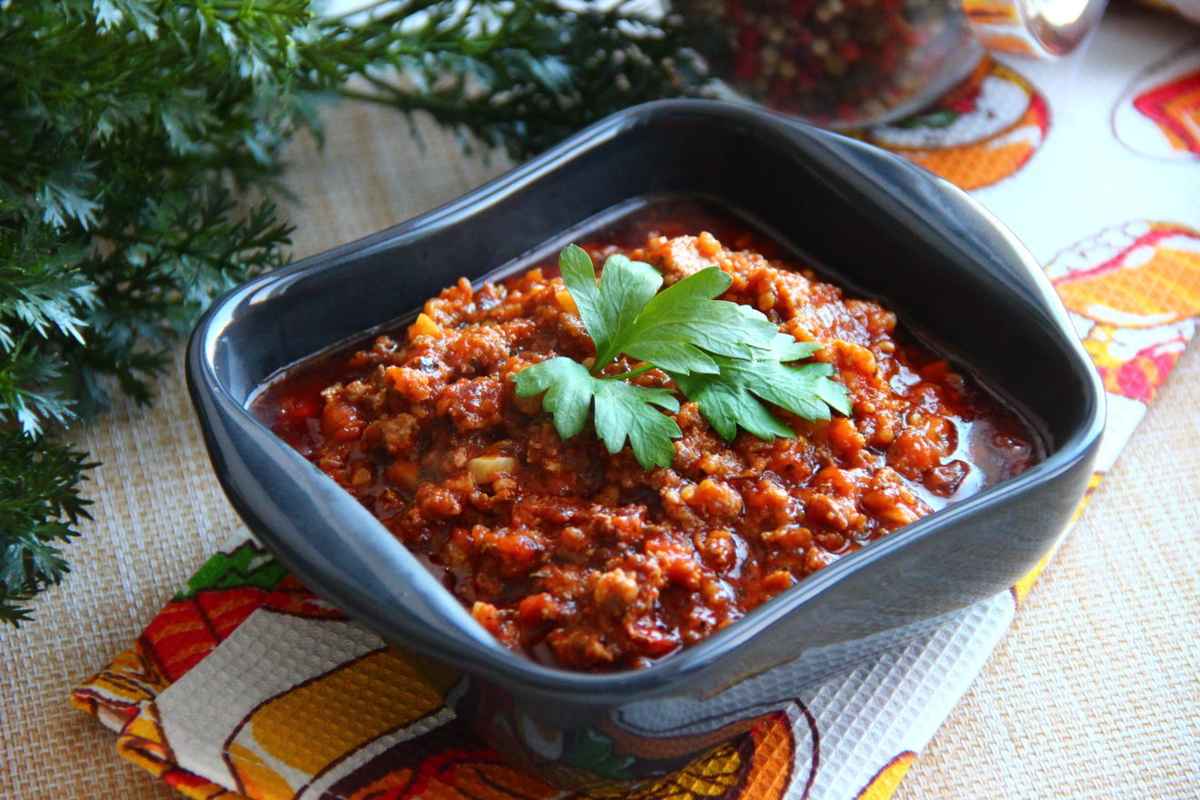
(867, 218)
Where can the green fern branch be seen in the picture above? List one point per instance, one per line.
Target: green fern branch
(132, 132)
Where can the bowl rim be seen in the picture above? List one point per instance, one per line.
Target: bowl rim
(519, 671)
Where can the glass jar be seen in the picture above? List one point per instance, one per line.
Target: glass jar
(850, 63)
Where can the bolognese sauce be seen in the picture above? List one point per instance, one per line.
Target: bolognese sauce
(585, 560)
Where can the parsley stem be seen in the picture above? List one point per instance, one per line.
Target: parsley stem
(633, 373)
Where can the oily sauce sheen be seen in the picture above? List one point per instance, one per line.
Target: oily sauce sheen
(585, 560)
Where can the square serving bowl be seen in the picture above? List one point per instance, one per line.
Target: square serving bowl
(872, 221)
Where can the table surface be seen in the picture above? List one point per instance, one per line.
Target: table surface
(1095, 689)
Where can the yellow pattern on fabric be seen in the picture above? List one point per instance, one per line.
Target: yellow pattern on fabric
(258, 780)
(129, 680)
(1163, 289)
(1004, 145)
(884, 784)
(771, 762)
(711, 775)
(344, 710)
(143, 743)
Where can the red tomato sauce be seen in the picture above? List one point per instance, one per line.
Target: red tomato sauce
(586, 560)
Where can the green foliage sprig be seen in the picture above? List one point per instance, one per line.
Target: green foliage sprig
(140, 147)
(727, 358)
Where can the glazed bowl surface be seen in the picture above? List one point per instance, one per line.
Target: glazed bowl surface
(870, 220)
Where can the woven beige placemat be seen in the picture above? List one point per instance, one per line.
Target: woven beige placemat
(1094, 688)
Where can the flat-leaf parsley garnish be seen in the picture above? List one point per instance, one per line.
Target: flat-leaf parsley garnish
(726, 357)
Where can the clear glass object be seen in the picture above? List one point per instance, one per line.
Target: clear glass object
(851, 63)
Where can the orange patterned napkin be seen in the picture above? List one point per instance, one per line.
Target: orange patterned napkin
(246, 685)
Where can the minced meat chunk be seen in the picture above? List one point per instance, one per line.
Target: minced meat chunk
(586, 560)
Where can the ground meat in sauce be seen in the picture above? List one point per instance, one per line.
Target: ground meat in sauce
(588, 561)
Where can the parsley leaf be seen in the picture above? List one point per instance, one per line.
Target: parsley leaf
(609, 309)
(568, 387)
(732, 397)
(623, 410)
(728, 358)
(682, 327)
(676, 329)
